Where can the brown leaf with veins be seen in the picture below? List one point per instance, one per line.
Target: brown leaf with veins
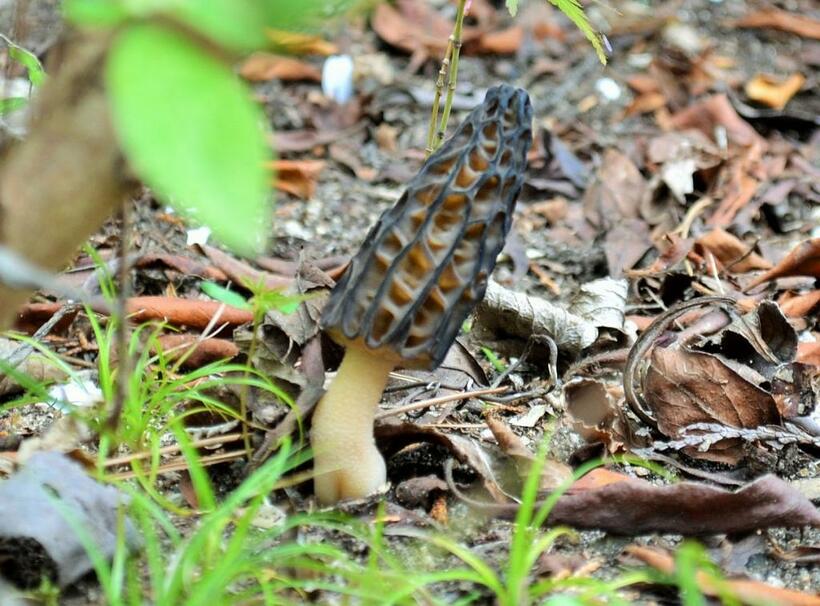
(684, 387)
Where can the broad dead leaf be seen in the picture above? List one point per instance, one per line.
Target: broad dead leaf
(732, 253)
(803, 260)
(623, 505)
(774, 92)
(706, 114)
(412, 26)
(683, 387)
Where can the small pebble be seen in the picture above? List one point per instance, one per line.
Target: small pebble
(608, 89)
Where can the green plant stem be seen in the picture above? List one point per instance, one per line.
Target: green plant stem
(449, 69)
(442, 73)
(258, 315)
(455, 41)
(123, 353)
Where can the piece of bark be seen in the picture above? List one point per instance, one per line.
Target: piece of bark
(36, 539)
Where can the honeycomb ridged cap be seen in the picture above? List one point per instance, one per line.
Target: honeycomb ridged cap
(424, 266)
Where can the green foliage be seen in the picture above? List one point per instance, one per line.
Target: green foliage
(224, 295)
(187, 124)
(10, 104)
(34, 71)
(575, 12)
(493, 358)
(192, 132)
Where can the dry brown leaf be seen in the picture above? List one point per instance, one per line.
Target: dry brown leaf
(706, 114)
(736, 186)
(185, 312)
(616, 193)
(645, 103)
(297, 177)
(643, 83)
(629, 506)
(776, 18)
(260, 67)
(809, 353)
(296, 43)
(799, 306)
(747, 591)
(595, 414)
(503, 42)
(684, 387)
(176, 311)
(774, 92)
(803, 260)
(387, 137)
(553, 472)
(732, 253)
(196, 351)
(412, 26)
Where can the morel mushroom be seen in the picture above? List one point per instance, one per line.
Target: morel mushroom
(422, 268)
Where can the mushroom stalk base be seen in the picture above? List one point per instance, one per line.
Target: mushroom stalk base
(347, 464)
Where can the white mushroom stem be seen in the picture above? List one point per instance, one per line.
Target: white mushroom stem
(347, 464)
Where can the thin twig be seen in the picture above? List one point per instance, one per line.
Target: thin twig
(204, 442)
(465, 395)
(645, 342)
(124, 291)
(23, 352)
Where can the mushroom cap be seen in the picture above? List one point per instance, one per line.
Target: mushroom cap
(424, 266)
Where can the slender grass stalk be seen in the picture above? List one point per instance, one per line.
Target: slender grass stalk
(448, 70)
(452, 77)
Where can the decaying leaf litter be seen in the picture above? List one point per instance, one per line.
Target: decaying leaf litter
(687, 169)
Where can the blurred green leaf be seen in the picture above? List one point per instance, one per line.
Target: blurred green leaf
(575, 12)
(191, 131)
(236, 24)
(224, 295)
(36, 73)
(512, 7)
(11, 104)
(97, 13)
